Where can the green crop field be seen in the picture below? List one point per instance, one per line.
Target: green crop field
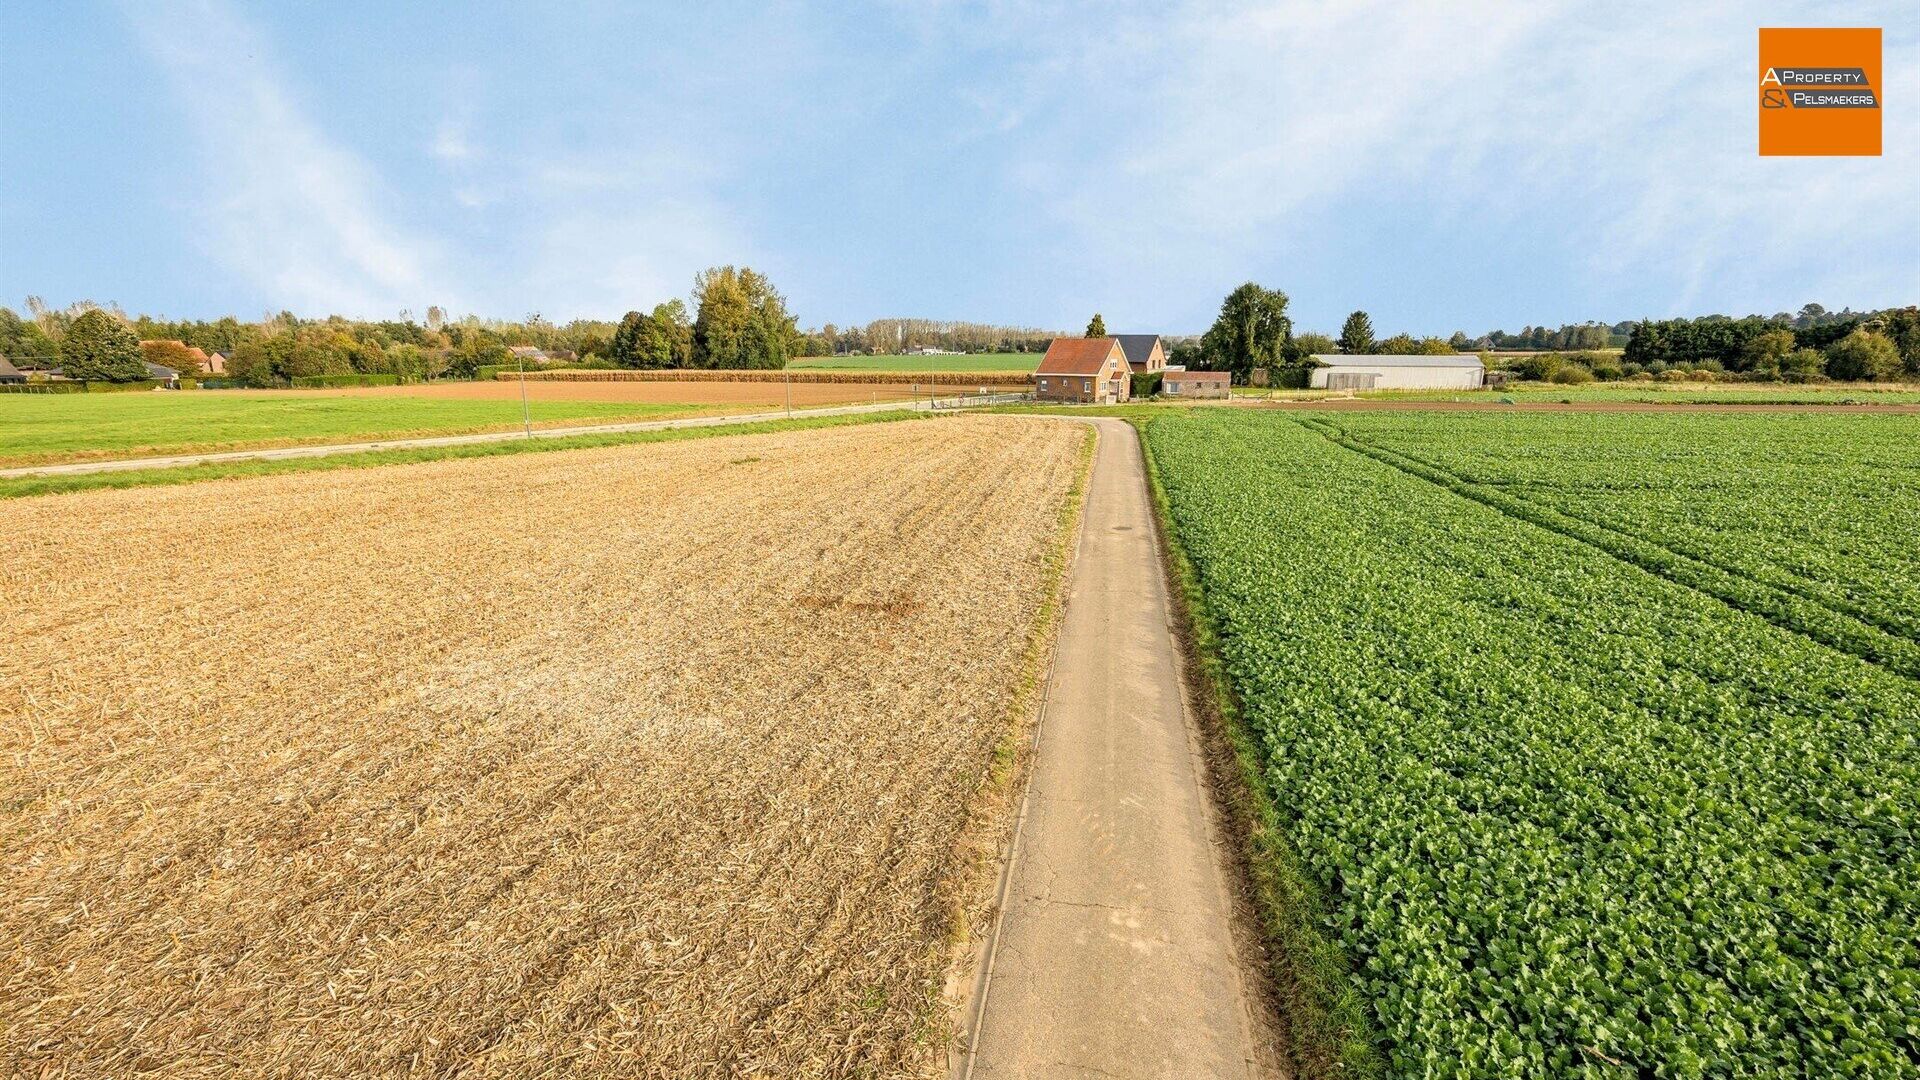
(38, 428)
(977, 362)
(1594, 737)
(1645, 393)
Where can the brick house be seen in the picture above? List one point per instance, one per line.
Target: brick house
(1086, 370)
(1144, 352)
(1196, 384)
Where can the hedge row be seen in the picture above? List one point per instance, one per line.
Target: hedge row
(310, 381)
(763, 375)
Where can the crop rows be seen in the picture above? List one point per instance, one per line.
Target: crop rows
(1821, 506)
(1569, 813)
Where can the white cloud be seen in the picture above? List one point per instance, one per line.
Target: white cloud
(450, 142)
(1214, 135)
(284, 204)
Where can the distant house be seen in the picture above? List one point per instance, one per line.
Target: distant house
(1341, 372)
(1196, 384)
(163, 375)
(1087, 370)
(933, 350)
(216, 363)
(9, 373)
(1144, 352)
(530, 354)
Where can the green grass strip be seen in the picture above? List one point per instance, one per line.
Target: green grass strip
(1322, 1015)
(19, 487)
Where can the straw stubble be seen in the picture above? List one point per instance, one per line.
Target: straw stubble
(644, 761)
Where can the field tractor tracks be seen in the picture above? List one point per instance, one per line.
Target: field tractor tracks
(1786, 609)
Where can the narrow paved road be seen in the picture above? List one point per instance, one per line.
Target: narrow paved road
(1115, 955)
(76, 468)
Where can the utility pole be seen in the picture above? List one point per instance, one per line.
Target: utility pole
(526, 411)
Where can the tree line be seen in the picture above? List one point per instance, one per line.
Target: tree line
(736, 319)
(1864, 346)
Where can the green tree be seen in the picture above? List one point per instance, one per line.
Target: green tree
(625, 347)
(24, 344)
(1356, 334)
(1902, 327)
(1251, 332)
(1398, 345)
(741, 321)
(1801, 365)
(1097, 327)
(1304, 346)
(1766, 353)
(720, 325)
(98, 347)
(1862, 356)
(675, 330)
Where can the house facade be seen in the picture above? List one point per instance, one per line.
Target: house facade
(1196, 384)
(1144, 352)
(1084, 370)
(1338, 371)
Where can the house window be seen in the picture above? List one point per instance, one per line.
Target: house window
(1086, 385)
(1043, 384)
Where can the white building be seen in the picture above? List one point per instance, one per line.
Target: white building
(1338, 372)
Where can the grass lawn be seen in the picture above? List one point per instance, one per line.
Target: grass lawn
(979, 362)
(45, 428)
(20, 487)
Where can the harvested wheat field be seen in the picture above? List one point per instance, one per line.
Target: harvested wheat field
(642, 761)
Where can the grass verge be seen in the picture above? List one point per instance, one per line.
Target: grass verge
(1323, 1019)
(18, 487)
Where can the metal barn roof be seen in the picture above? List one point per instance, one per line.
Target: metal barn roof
(1374, 360)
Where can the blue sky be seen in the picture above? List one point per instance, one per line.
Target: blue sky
(1445, 166)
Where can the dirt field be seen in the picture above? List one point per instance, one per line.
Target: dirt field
(756, 394)
(630, 762)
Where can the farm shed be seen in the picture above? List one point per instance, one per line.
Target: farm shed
(1337, 372)
(1144, 352)
(1087, 370)
(1196, 384)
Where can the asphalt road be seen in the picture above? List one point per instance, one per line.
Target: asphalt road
(1114, 954)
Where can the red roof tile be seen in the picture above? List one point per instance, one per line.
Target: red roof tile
(1077, 356)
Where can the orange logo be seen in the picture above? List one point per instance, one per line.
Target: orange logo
(1819, 92)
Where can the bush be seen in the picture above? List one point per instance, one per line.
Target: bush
(1608, 371)
(1539, 367)
(310, 381)
(1803, 365)
(1862, 356)
(1673, 375)
(43, 387)
(1146, 383)
(1571, 375)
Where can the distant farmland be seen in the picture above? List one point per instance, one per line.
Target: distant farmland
(46, 428)
(977, 362)
(518, 767)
